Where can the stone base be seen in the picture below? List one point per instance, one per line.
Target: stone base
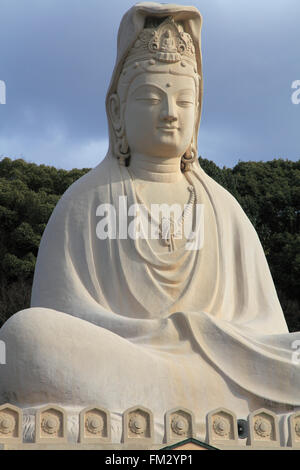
(53, 427)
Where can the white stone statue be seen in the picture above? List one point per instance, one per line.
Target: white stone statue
(120, 321)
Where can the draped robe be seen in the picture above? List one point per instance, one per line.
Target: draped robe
(219, 300)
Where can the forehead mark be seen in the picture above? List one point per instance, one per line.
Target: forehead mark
(160, 89)
(157, 79)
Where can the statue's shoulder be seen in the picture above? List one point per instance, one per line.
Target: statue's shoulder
(224, 202)
(212, 185)
(94, 184)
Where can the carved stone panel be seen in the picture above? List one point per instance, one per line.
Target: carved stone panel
(263, 428)
(138, 424)
(179, 424)
(94, 425)
(294, 429)
(10, 424)
(222, 427)
(50, 425)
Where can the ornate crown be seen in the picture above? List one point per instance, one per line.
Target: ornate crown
(167, 43)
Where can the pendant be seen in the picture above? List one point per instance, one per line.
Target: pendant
(168, 231)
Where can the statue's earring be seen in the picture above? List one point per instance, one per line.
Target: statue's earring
(123, 150)
(188, 159)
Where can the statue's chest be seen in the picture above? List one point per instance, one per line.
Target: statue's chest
(163, 193)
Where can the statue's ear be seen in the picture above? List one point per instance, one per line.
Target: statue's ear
(115, 110)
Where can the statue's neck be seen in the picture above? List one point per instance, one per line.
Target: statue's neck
(159, 169)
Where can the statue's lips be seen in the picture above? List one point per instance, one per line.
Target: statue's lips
(168, 128)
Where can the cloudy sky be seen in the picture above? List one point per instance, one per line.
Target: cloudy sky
(56, 58)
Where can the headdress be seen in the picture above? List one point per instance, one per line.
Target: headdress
(167, 43)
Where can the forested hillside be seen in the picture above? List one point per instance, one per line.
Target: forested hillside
(269, 192)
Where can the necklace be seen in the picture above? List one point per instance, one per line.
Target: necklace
(170, 228)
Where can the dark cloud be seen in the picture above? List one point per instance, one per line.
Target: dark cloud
(56, 57)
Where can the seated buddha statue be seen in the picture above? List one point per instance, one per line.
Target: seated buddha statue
(121, 320)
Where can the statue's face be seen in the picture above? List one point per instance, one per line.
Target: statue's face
(160, 114)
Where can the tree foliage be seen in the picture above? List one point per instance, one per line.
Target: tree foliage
(269, 193)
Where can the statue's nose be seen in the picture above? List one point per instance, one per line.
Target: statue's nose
(169, 117)
(168, 112)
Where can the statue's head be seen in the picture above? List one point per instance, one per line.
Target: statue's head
(155, 107)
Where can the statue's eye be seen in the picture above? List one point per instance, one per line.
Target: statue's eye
(149, 99)
(185, 102)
